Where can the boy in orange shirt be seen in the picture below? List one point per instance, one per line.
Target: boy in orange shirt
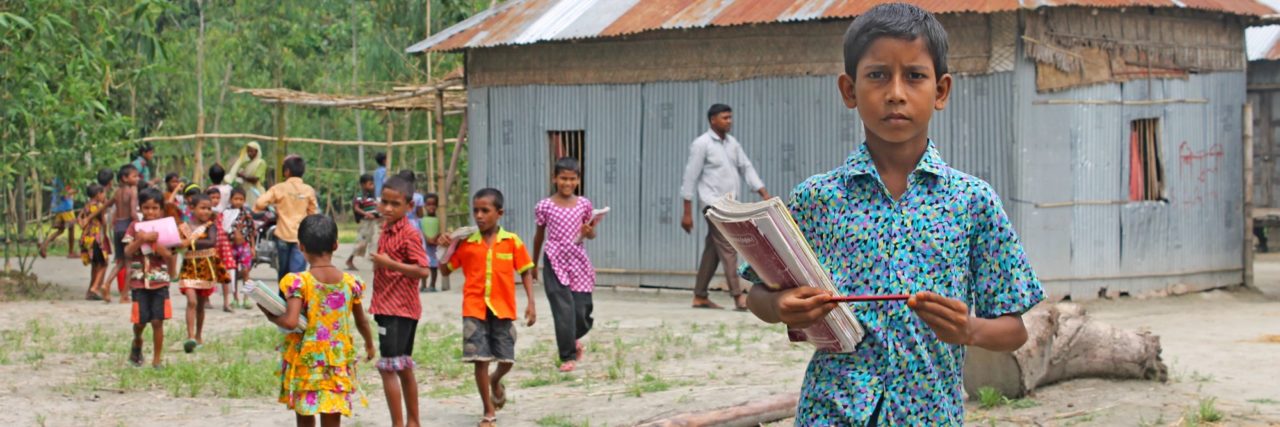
(490, 260)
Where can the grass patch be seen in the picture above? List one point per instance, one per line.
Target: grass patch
(1205, 412)
(1264, 401)
(989, 398)
(242, 366)
(18, 287)
(559, 420)
(648, 383)
(348, 232)
(438, 349)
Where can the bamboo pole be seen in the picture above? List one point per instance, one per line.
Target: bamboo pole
(308, 102)
(443, 198)
(386, 115)
(269, 138)
(280, 142)
(1247, 140)
(217, 114)
(199, 172)
(431, 154)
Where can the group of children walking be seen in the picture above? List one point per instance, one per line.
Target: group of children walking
(400, 235)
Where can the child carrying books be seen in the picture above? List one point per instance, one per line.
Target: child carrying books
(147, 269)
(243, 240)
(896, 219)
(490, 259)
(318, 364)
(94, 248)
(564, 220)
(204, 264)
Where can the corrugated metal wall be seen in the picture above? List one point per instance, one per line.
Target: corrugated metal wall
(637, 139)
(1264, 94)
(1080, 153)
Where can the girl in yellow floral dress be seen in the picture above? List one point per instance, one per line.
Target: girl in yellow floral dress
(318, 367)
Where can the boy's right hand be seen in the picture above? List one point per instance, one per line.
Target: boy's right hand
(803, 306)
(444, 240)
(687, 223)
(148, 236)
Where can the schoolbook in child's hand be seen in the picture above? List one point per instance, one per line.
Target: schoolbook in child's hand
(597, 215)
(272, 302)
(769, 240)
(457, 236)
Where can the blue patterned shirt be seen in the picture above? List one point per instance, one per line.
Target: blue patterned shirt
(947, 234)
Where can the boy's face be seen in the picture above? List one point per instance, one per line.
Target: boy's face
(896, 90)
(431, 204)
(216, 198)
(485, 214)
(132, 178)
(394, 205)
(203, 211)
(174, 184)
(367, 186)
(237, 201)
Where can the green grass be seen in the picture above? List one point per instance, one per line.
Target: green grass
(16, 287)
(348, 232)
(1264, 401)
(241, 366)
(559, 420)
(989, 398)
(438, 351)
(1205, 412)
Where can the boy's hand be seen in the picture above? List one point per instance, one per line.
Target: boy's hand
(148, 236)
(530, 315)
(687, 223)
(381, 260)
(444, 240)
(369, 353)
(803, 306)
(948, 318)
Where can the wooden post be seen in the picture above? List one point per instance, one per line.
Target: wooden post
(431, 153)
(217, 114)
(1248, 193)
(443, 207)
(199, 172)
(280, 142)
(386, 116)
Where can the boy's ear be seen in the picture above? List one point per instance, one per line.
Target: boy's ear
(846, 91)
(944, 92)
(335, 247)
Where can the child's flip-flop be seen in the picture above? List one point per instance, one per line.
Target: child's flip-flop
(488, 422)
(135, 356)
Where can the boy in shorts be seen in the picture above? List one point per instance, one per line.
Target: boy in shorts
(490, 259)
(398, 264)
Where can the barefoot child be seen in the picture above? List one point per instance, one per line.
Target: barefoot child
(397, 266)
(894, 218)
(564, 220)
(490, 259)
(365, 209)
(93, 243)
(430, 231)
(62, 206)
(204, 264)
(243, 239)
(318, 368)
(126, 212)
(148, 272)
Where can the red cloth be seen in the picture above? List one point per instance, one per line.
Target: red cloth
(395, 294)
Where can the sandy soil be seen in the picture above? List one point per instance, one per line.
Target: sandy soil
(649, 356)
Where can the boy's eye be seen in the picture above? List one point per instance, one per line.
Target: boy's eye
(915, 75)
(875, 75)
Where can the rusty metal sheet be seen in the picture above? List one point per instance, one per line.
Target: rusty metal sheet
(533, 21)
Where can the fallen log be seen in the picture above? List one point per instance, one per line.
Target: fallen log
(753, 413)
(1064, 343)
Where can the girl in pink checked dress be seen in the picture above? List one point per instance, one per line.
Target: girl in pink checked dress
(564, 221)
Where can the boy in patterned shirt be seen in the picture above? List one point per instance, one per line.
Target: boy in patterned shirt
(398, 264)
(490, 259)
(894, 218)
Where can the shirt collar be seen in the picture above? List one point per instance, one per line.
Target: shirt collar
(716, 137)
(392, 225)
(503, 234)
(860, 163)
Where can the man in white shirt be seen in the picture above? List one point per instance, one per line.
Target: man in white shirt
(716, 167)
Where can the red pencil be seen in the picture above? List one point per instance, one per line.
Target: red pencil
(863, 298)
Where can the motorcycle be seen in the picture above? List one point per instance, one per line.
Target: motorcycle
(265, 224)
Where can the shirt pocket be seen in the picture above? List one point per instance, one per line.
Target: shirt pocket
(943, 247)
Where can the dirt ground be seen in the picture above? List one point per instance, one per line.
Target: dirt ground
(62, 363)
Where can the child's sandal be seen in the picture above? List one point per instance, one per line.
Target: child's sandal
(488, 422)
(135, 356)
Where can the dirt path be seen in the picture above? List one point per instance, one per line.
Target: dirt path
(649, 355)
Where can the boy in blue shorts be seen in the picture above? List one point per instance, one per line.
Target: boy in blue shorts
(894, 218)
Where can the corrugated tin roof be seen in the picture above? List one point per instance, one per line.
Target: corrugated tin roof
(532, 21)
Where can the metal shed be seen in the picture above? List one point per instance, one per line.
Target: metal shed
(1112, 130)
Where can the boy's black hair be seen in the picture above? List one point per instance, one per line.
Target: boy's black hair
(900, 21)
(170, 177)
(716, 109)
(365, 178)
(492, 193)
(105, 176)
(211, 191)
(317, 234)
(93, 190)
(380, 158)
(125, 170)
(407, 174)
(567, 164)
(216, 173)
(296, 166)
(145, 147)
(195, 199)
(430, 196)
(237, 190)
(400, 185)
(149, 195)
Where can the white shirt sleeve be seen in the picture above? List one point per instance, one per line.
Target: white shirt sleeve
(693, 169)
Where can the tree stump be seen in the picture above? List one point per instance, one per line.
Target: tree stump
(1064, 343)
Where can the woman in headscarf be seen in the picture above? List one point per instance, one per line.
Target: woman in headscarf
(249, 170)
